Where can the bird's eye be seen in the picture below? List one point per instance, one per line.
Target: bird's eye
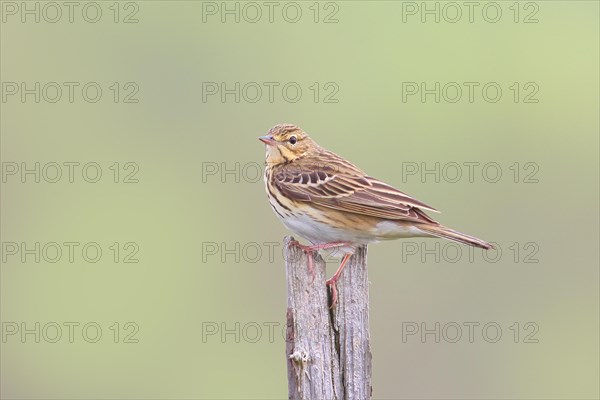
(292, 139)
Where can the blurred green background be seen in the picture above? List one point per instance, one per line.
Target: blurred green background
(200, 316)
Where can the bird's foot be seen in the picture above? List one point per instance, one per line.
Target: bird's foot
(331, 282)
(316, 247)
(308, 251)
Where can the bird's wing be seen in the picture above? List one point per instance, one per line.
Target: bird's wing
(330, 181)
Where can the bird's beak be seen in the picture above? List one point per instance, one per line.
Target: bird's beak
(268, 140)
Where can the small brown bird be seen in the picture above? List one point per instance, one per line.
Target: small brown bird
(334, 205)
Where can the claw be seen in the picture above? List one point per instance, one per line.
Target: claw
(309, 249)
(331, 282)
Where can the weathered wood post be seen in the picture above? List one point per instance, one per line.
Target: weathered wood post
(328, 351)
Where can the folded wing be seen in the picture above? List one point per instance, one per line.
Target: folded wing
(335, 183)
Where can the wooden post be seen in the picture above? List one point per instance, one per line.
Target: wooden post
(328, 351)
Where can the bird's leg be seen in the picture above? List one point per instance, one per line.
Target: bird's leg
(331, 282)
(309, 249)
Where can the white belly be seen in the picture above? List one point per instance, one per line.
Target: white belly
(317, 232)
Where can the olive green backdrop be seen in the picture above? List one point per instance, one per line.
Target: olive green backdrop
(201, 313)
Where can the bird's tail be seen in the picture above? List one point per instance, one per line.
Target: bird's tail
(447, 233)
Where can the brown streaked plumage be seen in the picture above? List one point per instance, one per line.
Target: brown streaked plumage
(326, 199)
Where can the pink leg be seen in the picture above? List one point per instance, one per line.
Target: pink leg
(331, 282)
(316, 247)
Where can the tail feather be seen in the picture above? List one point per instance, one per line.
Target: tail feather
(450, 234)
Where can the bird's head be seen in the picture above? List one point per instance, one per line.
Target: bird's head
(286, 143)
